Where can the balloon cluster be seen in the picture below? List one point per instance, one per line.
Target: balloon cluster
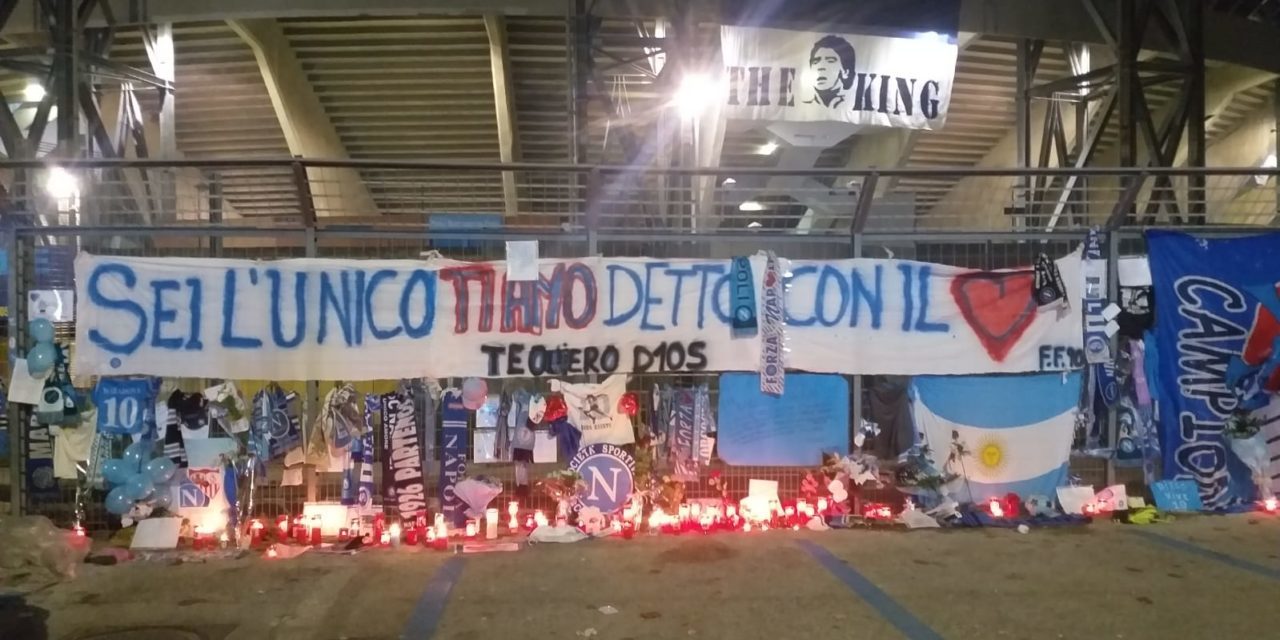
(137, 477)
(43, 353)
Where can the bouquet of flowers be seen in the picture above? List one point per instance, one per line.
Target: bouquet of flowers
(563, 484)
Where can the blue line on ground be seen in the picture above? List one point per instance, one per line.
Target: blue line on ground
(429, 611)
(1197, 550)
(887, 607)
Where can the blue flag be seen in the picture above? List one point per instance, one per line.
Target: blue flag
(1212, 323)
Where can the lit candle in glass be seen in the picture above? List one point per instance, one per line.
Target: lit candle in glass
(255, 531)
(317, 529)
(513, 509)
(491, 524)
(802, 506)
(695, 511)
(393, 533)
(539, 518)
(471, 529)
(684, 513)
(822, 505)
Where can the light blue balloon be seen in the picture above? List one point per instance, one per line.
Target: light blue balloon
(162, 499)
(41, 358)
(137, 454)
(118, 501)
(160, 470)
(139, 487)
(116, 471)
(41, 330)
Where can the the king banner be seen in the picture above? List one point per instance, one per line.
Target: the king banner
(1216, 330)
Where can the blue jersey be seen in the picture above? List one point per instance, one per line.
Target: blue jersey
(126, 405)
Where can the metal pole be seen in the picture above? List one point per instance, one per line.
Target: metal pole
(14, 412)
(1113, 294)
(1192, 19)
(313, 392)
(67, 77)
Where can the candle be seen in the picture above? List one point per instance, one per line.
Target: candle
(442, 536)
(617, 526)
(393, 534)
(255, 532)
(529, 522)
(431, 536)
(411, 534)
(539, 518)
(822, 505)
(746, 526)
(628, 530)
(471, 529)
(282, 523)
(513, 510)
(1270, 504)
(385, 538)
(996, 509)
(316, 530)
(79, 531)
(197, 539)
(655, 520)
(730, 511)
(695, 510)
(299, 530)
(802, 507)
(379, 528)
(684, 513)
(223, 540)
(491, 524)
(344, 534)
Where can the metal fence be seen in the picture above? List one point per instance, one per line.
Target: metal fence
(987, 219)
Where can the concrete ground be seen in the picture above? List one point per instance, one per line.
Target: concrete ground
(1199, 577)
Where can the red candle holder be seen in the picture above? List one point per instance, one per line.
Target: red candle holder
(628, 530)
(255, 532)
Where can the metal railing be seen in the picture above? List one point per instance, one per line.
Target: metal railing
(460, 201)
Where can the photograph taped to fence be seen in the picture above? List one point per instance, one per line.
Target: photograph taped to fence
(323, 319)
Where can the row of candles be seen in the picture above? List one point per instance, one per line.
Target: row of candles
(752, 514)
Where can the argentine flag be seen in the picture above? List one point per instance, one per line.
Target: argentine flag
(1017, 430)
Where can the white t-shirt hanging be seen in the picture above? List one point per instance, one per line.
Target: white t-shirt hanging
(593, 409)
(72, 445)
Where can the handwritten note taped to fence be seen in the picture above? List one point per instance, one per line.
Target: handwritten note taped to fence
(812, 417)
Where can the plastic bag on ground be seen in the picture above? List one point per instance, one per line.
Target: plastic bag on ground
(31, 544)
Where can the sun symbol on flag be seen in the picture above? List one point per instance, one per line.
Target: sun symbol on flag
(990, 454)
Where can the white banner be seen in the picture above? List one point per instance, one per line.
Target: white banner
(775, 74)
(372, 319)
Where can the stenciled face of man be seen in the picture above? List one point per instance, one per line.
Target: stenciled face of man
(826, 70)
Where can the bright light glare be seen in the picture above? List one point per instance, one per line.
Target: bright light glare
(61, 184)
(697, 91)
(34, 92)
(751, 205)
(933, 36)
(767, 148)
(1267, 163)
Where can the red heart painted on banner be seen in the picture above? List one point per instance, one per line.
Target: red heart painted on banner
(998, 307)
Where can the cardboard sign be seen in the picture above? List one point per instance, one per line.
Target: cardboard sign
(1177, 495)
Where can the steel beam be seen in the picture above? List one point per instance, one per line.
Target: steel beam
(307, 128)
(495, 27)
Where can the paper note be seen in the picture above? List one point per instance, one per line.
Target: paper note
(767, 489)
(522, 260)
(544, 447)
(1111, 311)
(1134, 271)
(23, 387)
(157, 533)
(1073, 499)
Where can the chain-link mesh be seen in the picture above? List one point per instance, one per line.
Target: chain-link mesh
(412, 212)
